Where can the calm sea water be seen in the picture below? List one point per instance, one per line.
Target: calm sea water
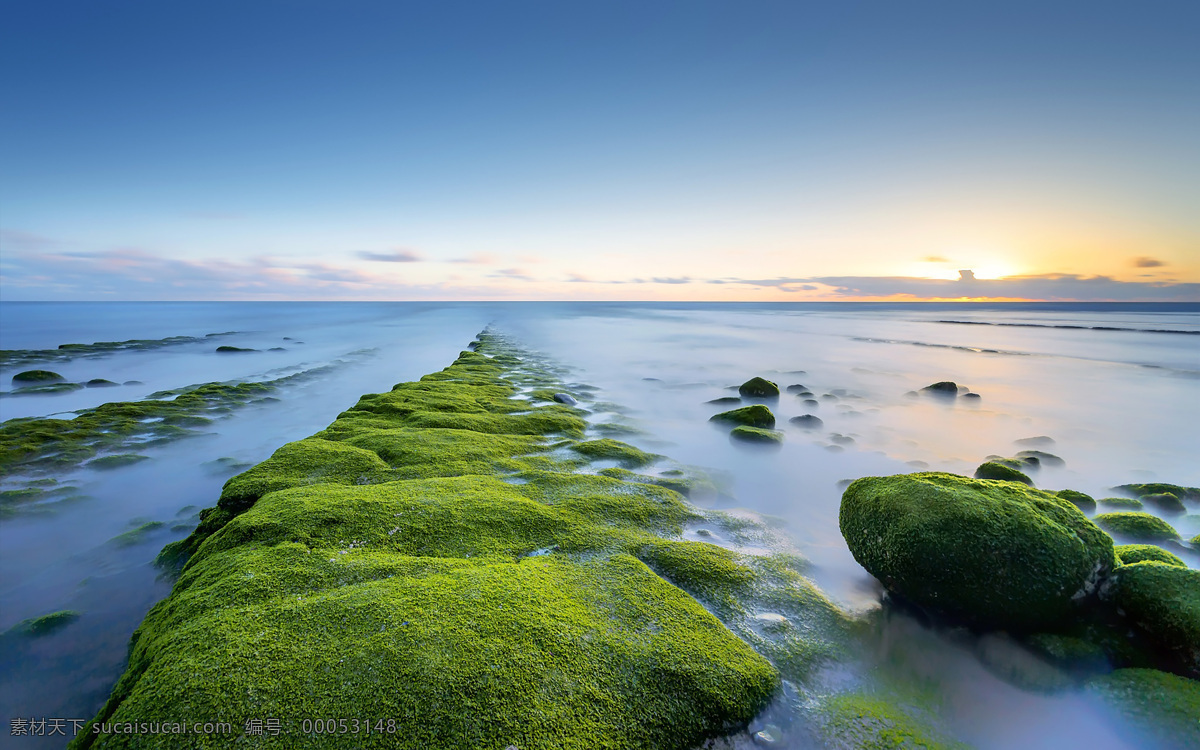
(1117, 388)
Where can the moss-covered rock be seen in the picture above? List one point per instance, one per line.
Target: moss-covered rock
(1151, 488)
(807, 421)
(1080, 500)
(36, 377)
(1141, 527)
(136, 535)
(1165, 502)
(1041, 457)
(614, 450)
(116, 461)
(432, 557)
(756, 415)
(758, 388)
(746, 434)
(993, 470)
(1161, 707)
(870, 723)
(1119, 503)
(37, 627)
(101, 383)
(1129, 554)
(1163, 601)
(994, 553)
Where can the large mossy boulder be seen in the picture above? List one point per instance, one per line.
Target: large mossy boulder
(1165, 502)
(750, 416)
(1137, 526)
(993, 470)
(994, 554)
(1163, 601)
(758, 388)
(746, 434)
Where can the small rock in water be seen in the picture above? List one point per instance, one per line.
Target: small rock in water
(769, 735)
(1042, 440)
(133, 382)
(811, 402)
(807, 421)
(971, 395)
(100, 383)
(796, 388)
(724, 400)
(942, 388)
(565, 398)
(758, 388)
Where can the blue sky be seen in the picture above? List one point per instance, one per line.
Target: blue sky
(321, 150)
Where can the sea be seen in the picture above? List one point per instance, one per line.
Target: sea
(1112, 389)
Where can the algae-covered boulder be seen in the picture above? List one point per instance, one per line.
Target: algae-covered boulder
(1080, 500)
(993, 470)
(36, 377)
(751, 416)
(997, 554)
(36, 627)
(1129, 554)
(1151, 488)
(756, 435)
(758, 388)
(1163, 601)
(1120, 503)
(615, 450)
(1141, 527)
(1157, 709)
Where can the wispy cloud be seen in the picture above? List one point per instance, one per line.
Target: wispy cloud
(16, 240)
(482, 259)
(519, 274)
(395, 256)
(1147, 262)
(671, 280)
(935, 259)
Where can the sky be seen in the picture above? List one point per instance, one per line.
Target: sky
(774, 151)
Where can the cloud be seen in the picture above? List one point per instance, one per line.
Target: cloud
(511, 273)
(479, 258)
(671, 280)
(1147, 262)
(1050, 287)
(396, 256)
(13, 239)
(935, 259)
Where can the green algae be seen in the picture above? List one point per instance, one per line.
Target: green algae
(1137, 526)
(67, 352)
(136, 535)
(36, 627)
(1135, 553)
(932, 537)
(870, 723)
(1162, 707)
(613, 450)
(994, 470)
(756, 415)
(468, 581)
(115, 461)
(1154, 488)
(36, 377)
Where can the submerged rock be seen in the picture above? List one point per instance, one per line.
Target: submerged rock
(233, 350)
(1129, 554)
(725, 401)
(1162, 707)
(1120, 503)
(1042, 458)
(1080, 500)
(807, 421)
(100, 383)
(1191, 494)
(750, 416)
(1142, 527)
(758, 388)
(36, 627)
(36, 377)
(996, 554)
(942, 388)
(565, 398)
(994, 470)
(797, 388)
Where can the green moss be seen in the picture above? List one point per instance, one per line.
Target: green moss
(756, 435)
(136, 535)
(870, 723)
(756, 415)
(1080, 500)
(990, 552)
(1161, 707)
(115, 461)
(66, 352)
(1137, 526)
(37, 627)
(993, 470)
(1165, 502)
(1075, 654)
(1120, 503)
(1135, 553)
(758, 388)
(1163, 601)
(1151, 488)
(392, 566)
(613, 450)
(36, 376)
